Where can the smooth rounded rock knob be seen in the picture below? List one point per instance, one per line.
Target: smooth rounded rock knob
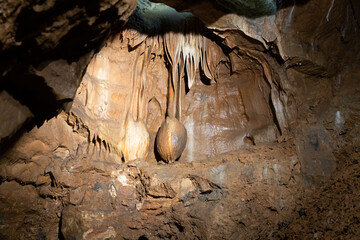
(171, 139)
(136, 141)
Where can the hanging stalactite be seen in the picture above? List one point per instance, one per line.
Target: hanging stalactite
(185, 48)
(185, 51)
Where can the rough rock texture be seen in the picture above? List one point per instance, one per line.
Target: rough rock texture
(13, 115)
(46, 45)
(273, 139)
(100, 198)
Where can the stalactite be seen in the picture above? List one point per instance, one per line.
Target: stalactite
(185, 51)
(136, 141)
(182, 39)
(188, 49)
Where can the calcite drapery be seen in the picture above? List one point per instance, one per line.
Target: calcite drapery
(179, 48)
(136, 140)
(184, 47)
(185, 51)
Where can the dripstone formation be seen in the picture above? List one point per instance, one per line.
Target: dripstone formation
(179, 120)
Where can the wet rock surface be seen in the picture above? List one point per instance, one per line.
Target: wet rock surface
(272, 118)
(228, 94)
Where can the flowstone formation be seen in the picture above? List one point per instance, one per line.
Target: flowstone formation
(135, 142)
(269, 104)
(171, 52)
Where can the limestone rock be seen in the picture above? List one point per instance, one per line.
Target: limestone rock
(274, 110)
(316, 158)
(45, 47)
(13, 115)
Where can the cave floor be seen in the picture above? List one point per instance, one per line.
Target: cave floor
(254, 193)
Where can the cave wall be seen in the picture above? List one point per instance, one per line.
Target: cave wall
(45, 47)
(234, 105)
(64, 179)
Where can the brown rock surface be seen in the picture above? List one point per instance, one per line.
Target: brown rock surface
(221, 103)
(46, 45)
(13, 115)
(272, 118)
